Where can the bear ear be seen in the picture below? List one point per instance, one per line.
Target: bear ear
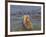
(25, 16)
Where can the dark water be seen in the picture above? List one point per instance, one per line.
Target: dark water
(16, 16)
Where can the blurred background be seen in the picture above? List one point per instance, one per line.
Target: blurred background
(16, 17)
